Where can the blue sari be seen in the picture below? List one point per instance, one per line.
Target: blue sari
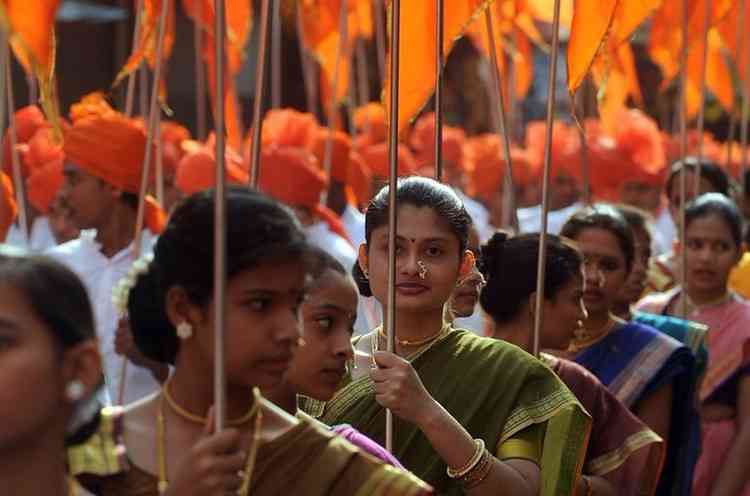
(634, 361)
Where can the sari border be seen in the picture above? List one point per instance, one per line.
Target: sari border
(633, 379)
(614, 459)
(536, 413)
(390, 481)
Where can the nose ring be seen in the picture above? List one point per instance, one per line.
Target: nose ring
(422, 269)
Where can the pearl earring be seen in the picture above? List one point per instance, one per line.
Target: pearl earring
(75, 390)
(184, 330)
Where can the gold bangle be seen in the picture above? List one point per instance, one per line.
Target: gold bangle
(479, 473)
(473, 461)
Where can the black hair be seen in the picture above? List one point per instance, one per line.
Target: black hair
(130, 199)
(720, 206)
(259, 230)
(710, 171)
(59, 300)
(509, 266)
(604, 217)
(418, 192)
(322, 261)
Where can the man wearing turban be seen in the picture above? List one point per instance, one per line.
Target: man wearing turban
(104, 154)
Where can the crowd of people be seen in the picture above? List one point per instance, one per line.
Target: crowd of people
(107, 313)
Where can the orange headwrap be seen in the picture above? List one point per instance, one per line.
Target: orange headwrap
(288, 127)
(197, 170)
(360, 180)
(566, 149)
(8, 208)
(423, 142)
(376, 158)
(484, 157)
(172, 137)
(293, 176)
(44, 159)
(340, 149)
(110, 146)
(370, 122)
(28, 121)
(639, 141)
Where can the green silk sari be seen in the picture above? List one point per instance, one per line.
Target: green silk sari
(495, 390)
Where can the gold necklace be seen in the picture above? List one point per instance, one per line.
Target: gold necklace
(426, 345)
(161, 445)
(406, 342)
(583, 338)
(182, 412)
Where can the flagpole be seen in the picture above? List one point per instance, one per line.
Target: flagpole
(18, 183)
(276, 40)
(332, 105)
(379, 36)
(200, 73)
(33, 89)
(129, 95)
(390, 315)
(682, 310)
(743, 49)
(260, 80)
(146, 172)
(542, 260)
(159, 177)
(585, 172)
(220, 273)
(308, 72)
(703, 89)
(510, 214)
(439, 34)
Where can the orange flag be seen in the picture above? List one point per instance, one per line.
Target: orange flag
(31, 25)
(417, 51)
(727, 28)
(592, 20)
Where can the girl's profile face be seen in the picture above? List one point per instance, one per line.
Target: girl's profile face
(562, 315)
(428, 262)
(262, 326)
(31, 373)
(328, 316)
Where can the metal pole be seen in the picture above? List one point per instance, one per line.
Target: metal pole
(703, 85)
(129, 95)
(511, 216)
(682, 310)
(380, 36)
(260, 80)
(542, 261)
(18, 183)
(145, 172)
(220, 273)
(33, 89)
(744, 49)
(439, 34)
(200, 74)
(390, 315)
(276, 40)
(332, 105)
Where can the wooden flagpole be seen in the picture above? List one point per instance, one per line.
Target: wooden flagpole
(18, 182)
(682, 307)
(439, 66)
(703, 88)
(260, 82)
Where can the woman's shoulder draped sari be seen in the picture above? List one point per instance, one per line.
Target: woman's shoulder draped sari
(307, 460)
(634, 361)
(492, 388)
(621, 448)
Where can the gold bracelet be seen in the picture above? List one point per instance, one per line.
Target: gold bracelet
(479, 473)
(473, 461)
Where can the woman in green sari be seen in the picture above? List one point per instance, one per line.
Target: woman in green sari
(471, 415)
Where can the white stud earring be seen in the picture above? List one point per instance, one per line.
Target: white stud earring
(75, 390)
(184, 330)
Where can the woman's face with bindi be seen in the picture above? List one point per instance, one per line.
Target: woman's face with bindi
(428, 260)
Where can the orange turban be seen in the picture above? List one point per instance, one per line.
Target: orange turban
(566, 149)
(287, 127)
(28, 121)
(639, 141)
(370, 122)
(8, 208)
(110, 146)
(197, 170)
(293, 176)
(423, 142)
(172, 137)
(485, 159)
(360, 180)
(44, 159)
(340, 150)
(376, 158)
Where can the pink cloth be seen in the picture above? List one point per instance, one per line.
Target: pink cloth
(366, 444)
(717, 438)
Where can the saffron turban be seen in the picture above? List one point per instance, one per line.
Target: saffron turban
(486, 162)
(287, 127)
(197, 169)
(44, 160)
(172, 137)
(370, 122)
(28, 121)
(423, 143)
(376, 158)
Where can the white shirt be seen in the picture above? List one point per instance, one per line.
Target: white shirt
(663, 234)
(41, 236)
(354, 223)
(100, 274)
(480, 216)
(530, 218)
